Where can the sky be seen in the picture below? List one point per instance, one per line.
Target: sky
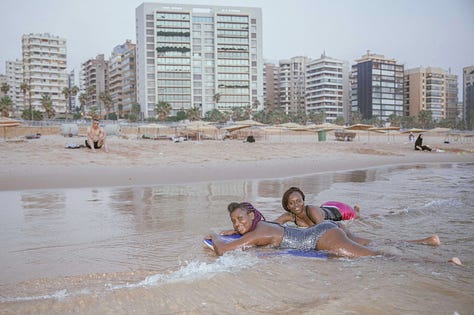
(428, 33)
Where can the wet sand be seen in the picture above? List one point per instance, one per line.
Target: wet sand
(45, 162)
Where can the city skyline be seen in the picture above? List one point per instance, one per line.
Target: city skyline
(415, 33)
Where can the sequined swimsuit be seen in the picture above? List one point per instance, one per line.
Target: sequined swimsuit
(305, 239)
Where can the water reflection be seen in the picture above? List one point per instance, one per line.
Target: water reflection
(89, 230)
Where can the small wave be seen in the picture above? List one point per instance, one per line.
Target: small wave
(443, 203)
(58, 295)
(230, 262)
(434, 205)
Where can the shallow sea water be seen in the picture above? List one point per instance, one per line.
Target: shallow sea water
(139, 249)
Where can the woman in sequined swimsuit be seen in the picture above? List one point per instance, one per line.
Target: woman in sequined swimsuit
(324, 236)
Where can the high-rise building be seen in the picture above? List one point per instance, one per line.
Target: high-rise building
(468, 96)
(292, 84)
(452, 111)
(44, 70)
(271, 86)
(14, 78)
(120, 70)
(377, 87)
(327, 87)
(198, 56)
(94, 77)
(431, 89)
(129, 79)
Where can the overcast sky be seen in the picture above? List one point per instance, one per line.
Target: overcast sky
(437, 33)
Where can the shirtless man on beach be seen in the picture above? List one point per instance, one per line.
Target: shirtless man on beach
(96, 137)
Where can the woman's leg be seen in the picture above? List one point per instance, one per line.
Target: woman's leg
(336, 242)
(432, 240)
(357, 239)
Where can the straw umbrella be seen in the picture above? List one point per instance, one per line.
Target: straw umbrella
(385, 129)
(358, 127)
(249, 122)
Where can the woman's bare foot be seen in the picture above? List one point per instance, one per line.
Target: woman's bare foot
(455, 261)
(432, 240)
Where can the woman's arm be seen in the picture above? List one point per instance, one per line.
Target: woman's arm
(229, 232)
(220, 247)
(285, 217)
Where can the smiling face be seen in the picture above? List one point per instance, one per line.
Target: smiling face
(295, 203)
(242, 220)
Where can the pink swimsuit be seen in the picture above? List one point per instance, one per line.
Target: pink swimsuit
(346, 211)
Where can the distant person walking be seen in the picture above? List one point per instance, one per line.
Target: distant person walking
(411, 137)
(419, 146)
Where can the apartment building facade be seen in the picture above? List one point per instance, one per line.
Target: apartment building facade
(292, 84)
(94, 81)
(468, 96)
(198, 56)
(44, 70)
(327, 87)
(271, 86)
(129, 79)
(14, 78)
(121, 76)
(377, 87)
(432, 89)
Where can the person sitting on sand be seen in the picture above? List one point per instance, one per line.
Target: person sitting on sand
(293, 201)
(325, 236)
(419, 144)
(96, 137)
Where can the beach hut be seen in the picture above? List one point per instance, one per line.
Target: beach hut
(150, 131)
(6, 122)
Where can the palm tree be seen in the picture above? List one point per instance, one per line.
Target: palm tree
(162, 110)
(107, 100)
(83, 101)
(5, 88)
(216, 98)
(6, 105)
(74, 91)
(25, 87)
(67, 94)
(47, 104)
(193, 114)
(425, 118)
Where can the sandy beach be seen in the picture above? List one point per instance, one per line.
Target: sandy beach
(45, 162)
(121, 232)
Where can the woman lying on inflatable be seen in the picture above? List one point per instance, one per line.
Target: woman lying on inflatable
(308, 215)
(255, 231)
(293, 201)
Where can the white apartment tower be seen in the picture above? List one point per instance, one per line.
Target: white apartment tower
(14, 78)
(44, 70)
(292, 84)
(198, 56)
(94, 76)
(121, 70)
(327, 87)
